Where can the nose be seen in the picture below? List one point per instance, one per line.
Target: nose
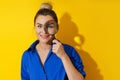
(44, 30)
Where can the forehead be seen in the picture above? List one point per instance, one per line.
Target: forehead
(42, 19)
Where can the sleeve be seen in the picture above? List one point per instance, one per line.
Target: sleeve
(24, 69)
(77, 62)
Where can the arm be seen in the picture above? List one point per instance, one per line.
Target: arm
(24, 71)
(72, 72)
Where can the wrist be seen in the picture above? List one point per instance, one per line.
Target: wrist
(64, 56)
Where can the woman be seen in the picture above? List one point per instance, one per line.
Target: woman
(47, 58)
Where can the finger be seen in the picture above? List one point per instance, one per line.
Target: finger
(55, 41)
(55, 46)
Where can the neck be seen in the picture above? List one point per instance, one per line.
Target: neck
(44, 46)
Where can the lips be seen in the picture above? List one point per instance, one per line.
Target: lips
(44, 36)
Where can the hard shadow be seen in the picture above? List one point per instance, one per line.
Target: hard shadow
(68, 30)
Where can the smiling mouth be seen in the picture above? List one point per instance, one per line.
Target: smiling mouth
(44, 36)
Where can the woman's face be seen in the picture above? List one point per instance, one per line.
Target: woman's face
(45, 28)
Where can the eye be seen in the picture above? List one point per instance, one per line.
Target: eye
(50, 25)
(39, 26)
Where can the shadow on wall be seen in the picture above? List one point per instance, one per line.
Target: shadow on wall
(67, 32)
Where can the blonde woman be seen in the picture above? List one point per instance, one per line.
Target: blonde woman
(47, 58)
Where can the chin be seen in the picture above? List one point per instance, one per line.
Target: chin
(45, 41)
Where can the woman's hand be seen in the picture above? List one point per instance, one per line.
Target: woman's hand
(58, 48)
(71, 71)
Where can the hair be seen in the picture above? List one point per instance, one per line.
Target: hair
(46, 9)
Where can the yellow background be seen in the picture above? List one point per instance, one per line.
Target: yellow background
(91, 26)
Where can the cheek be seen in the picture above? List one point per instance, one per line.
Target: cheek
(52, 31)
(37, 31)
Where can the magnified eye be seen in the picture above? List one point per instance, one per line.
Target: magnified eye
(50, 25)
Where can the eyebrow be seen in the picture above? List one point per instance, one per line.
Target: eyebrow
(47, 22)
(50, 21)
(38, 24)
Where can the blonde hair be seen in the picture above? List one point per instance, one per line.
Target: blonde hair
(46, 6)
(46, 9)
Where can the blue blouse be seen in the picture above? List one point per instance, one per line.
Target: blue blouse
(53, 69)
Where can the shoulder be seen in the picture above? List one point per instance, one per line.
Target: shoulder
(25, 54)
(67, 46)
(30, 50)
(70, 50)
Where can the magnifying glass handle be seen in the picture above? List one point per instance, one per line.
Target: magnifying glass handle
(54, 38)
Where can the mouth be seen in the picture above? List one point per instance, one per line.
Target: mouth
(45, 36)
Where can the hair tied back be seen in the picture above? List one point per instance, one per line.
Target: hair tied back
(46, 6)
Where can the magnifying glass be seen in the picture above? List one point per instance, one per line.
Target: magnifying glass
(52, 27)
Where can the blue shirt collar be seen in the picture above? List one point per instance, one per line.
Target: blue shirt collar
(32, 47)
